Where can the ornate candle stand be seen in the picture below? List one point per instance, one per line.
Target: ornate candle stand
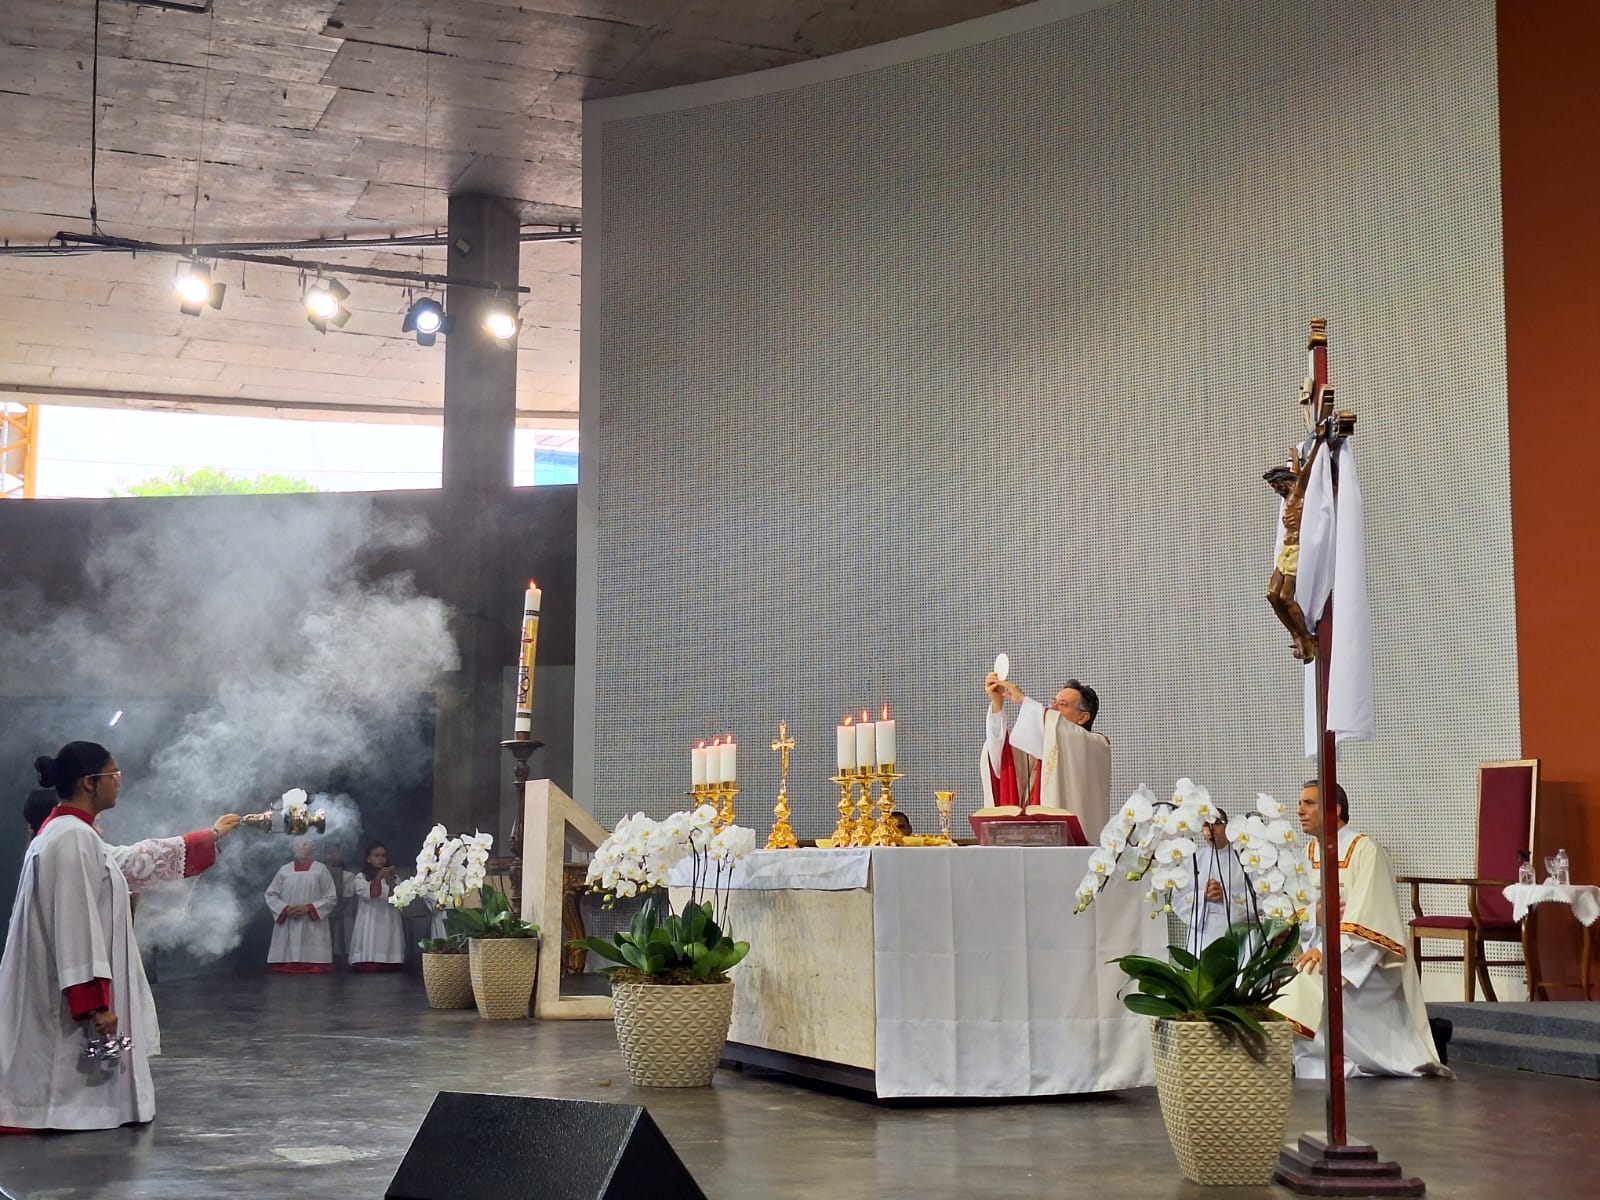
(846, 779)
(885, 832)
(722, 795)
(782, 836)
(700, 794)
(861, 827)
(522, 747)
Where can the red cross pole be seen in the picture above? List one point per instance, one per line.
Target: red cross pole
(1332, 1165)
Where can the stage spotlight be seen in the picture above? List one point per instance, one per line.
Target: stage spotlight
(324, 302)
(427, 319)
(195, 288)
(502, 324)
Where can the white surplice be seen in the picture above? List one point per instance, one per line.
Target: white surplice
(302, 939)
(1215, 917)
(1385, 1020)
(1075, 763)
(380, 934)
(71, 924)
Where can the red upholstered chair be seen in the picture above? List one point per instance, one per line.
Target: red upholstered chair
(1507, 799)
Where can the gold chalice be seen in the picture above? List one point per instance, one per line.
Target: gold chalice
(944, 800)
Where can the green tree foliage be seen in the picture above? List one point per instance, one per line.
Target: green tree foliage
(213, 481)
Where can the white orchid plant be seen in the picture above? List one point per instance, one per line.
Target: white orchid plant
(449, 870)
(1234, 980)
(659, 945)
(1156, 841)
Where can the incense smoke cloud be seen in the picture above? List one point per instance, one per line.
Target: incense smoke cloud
(305, 658)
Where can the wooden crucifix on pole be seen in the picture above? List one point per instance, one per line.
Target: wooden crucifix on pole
(1331, 1165)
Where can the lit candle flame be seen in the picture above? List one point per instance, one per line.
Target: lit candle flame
(533, 585)
(885, 716)
(701, 744)
(729, 740)
(715, 742)
(849, 720)
(864, 717)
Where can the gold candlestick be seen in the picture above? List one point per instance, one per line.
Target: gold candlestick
(861, 827)
(884, 831)
(722, 795)
(846, 780)
(782, 836)
(945, 801)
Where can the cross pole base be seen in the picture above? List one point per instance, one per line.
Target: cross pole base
(1314, 1168)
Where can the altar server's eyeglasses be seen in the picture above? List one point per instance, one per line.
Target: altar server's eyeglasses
(117, 775)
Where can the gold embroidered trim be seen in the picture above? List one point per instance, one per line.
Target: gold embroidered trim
(1373, 936)
(1314, 852)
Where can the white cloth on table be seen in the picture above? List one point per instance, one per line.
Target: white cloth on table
(987, 984)
(775, 870)
(72, 923)
(1583, 897)
(302, 939)
(380, 934)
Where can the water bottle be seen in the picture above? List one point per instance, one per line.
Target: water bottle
(1563, 871)
(1525, 869)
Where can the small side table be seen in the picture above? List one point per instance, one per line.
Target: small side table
(1584, 901)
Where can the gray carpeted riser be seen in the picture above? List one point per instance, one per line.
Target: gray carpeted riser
(1543, 1056)
(1573, 1020)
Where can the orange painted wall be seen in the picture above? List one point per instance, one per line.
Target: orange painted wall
(1550, 191)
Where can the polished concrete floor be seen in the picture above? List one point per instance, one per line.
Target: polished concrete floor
(314, 1086)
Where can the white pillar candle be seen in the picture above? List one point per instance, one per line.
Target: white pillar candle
(530, 643)
(886, 739)
(866, 743)
(698, 757)
(714, 761)
(730, 760)
(846, 736)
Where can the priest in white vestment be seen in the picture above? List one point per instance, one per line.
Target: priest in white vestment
(1051, 754)
(1385, 1021)
(71, 969)
(1220, 900)
(302, 897)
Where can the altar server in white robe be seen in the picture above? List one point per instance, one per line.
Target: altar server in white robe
(1385, 1021)
(1221, 888)
(379, 940)
(302, 897)
(71, 968)
(1051, 755)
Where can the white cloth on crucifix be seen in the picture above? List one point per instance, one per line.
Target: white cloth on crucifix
(1385, 1021)
(1333, 562)
(1061, 764)
(72, 923)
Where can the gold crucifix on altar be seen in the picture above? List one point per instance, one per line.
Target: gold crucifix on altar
(782, 837)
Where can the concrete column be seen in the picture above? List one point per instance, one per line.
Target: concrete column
(480, 399)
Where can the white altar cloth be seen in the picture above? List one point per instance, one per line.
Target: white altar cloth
(983, 981)
(769, 870)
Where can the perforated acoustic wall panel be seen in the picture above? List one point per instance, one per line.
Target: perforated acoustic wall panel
(987, 348)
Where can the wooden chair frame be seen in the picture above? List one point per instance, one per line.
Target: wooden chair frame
(1473, 940)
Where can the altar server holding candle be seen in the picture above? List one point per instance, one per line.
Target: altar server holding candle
(302, 897)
